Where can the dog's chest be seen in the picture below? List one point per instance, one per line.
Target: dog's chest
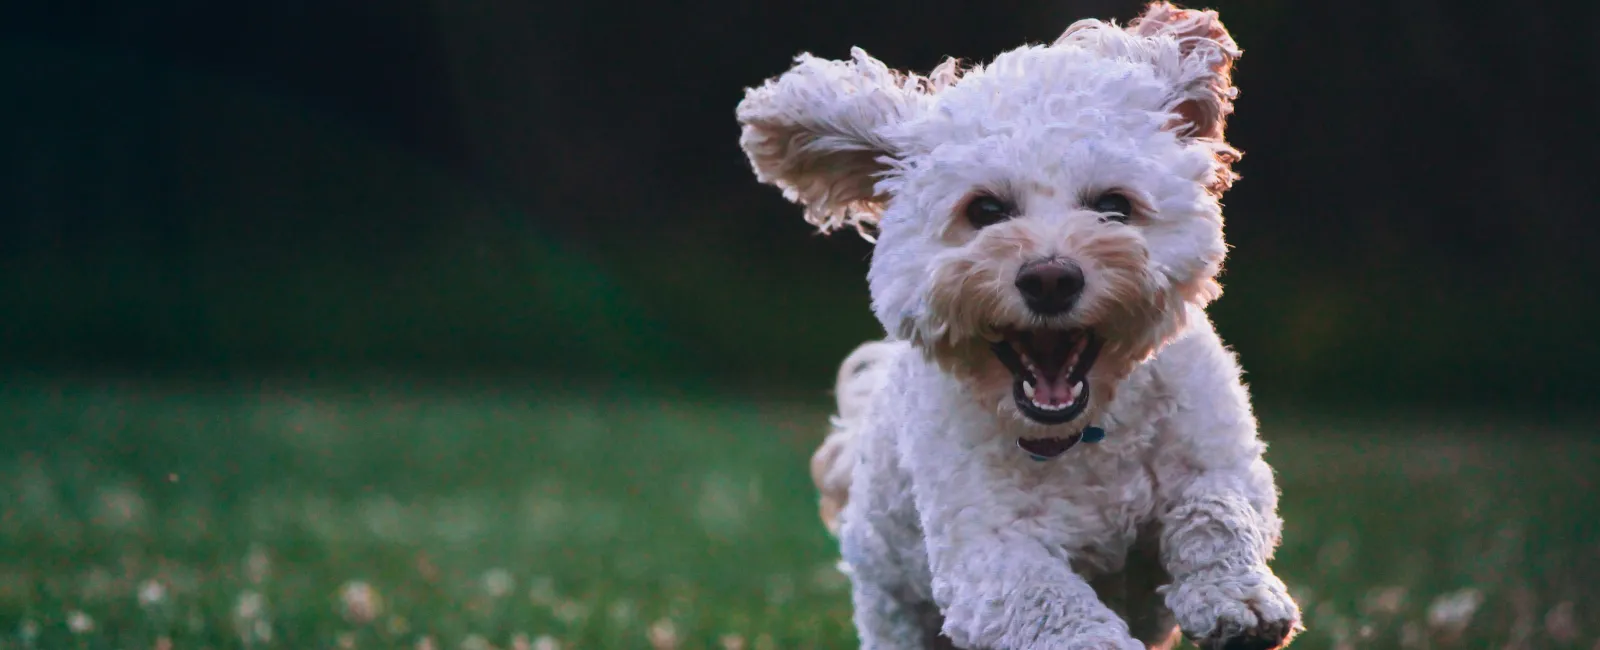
(1092, 502)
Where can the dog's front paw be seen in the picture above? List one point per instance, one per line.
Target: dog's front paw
(1237, 611)
(1265, 636)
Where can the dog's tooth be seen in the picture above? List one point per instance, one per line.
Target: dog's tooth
(1049, 407)
(1027, 389)
(1077, 389)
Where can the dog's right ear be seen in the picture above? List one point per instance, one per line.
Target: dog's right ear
(817, 133)
(1205, 76)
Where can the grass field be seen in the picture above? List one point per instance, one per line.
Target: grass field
(141, 516)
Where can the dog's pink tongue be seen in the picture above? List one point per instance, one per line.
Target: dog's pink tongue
(1053, 391)
(1049, 351)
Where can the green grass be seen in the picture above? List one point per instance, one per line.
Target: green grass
(136, 515)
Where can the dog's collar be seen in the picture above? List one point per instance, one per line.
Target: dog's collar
(1043, 449)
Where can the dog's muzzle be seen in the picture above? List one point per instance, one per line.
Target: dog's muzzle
(1050, 369)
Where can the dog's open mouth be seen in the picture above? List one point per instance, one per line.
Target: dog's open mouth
(1050, 369)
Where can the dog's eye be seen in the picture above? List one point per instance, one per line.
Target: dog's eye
(1113, 206)
(983, 211)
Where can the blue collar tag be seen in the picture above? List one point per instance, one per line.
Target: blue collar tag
(1092, 435)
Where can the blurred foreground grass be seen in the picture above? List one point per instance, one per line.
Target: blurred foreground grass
(151, 516)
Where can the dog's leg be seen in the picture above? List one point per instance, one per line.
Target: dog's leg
(1218, 512)
(1134, 593)
(891, 619)
(1223, 594)
(884, 620)
(888, 616)
(880, 540)
(1001, 583)
(1001, 590)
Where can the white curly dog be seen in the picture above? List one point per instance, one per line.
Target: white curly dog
(1053, 449)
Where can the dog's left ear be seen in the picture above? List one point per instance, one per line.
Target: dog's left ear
(1188, 48)
(1203, 75)
(818, 133)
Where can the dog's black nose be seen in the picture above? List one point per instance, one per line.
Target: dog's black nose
(1050, 286)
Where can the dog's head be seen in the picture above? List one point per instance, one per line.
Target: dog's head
(1043, 223)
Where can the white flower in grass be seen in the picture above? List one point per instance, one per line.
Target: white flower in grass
(79, 622)
(546, 642)
(152, 593)
(570, 612)
(262, 631)
(1450, 613)
(622, 612)
(359, 602)
(663, 635)
(250, 618)
(118, 508)
(498, 583)
(1366, 632)
(250, 606)
(732, 642)
(1387, 601)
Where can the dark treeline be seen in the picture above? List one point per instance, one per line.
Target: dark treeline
(555, 189)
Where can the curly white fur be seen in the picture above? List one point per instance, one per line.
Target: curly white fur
(860, 376)
(953, 534)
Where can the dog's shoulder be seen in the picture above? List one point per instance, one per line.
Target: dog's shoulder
(1195, 360)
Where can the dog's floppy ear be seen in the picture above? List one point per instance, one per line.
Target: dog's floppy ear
(817, 133)
(1194, 54)
(1203, 78)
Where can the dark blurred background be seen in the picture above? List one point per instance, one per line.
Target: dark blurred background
(441, 190)
(476, 309)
